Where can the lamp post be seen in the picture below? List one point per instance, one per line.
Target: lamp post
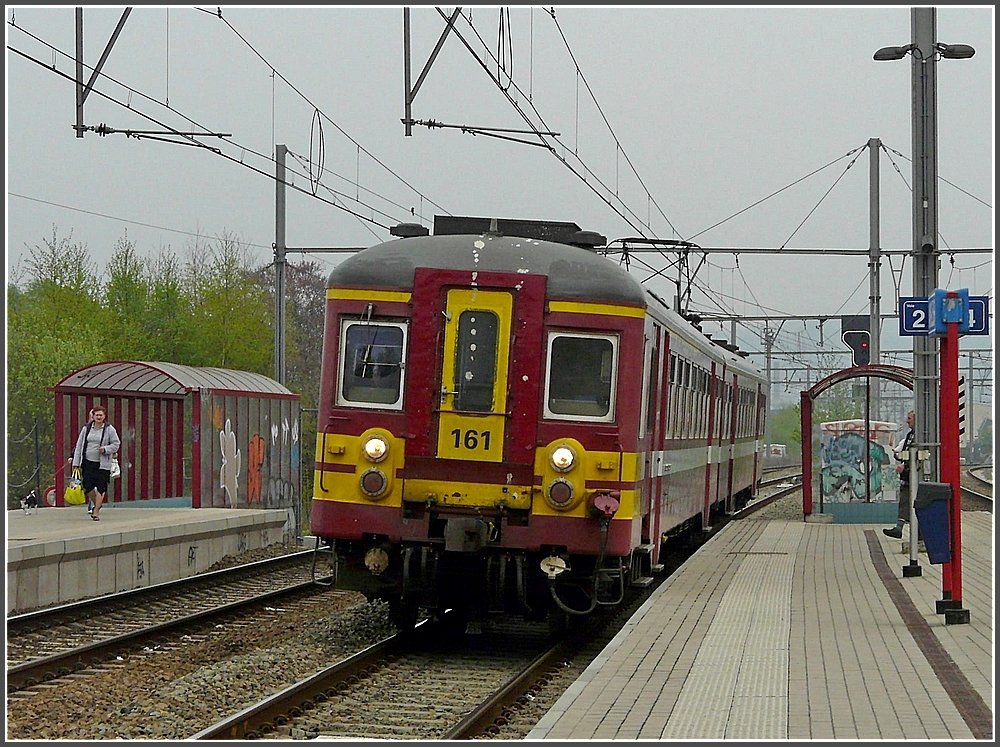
(925, 52)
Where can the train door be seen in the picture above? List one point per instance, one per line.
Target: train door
(474, 370)
(476, 351)
(732, 391)
(711, 475)
(758, 432)
(654, 422)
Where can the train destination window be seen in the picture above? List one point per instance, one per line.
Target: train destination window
(371, 371)
(476, 360)
(581, 370)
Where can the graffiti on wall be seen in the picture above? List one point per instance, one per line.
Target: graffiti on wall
(846, 475)
(280, 493)
(255, 462)
(231, 457)
(263, 465)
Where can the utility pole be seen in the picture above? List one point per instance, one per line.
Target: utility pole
(925, 231)
(280, 152)
(768, 343)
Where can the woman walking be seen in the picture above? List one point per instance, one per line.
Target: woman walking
(97, 443)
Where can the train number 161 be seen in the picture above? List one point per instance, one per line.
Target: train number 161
(471, 439)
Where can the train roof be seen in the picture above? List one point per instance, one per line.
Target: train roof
(690, 331)
(559, 250)
(573, 271)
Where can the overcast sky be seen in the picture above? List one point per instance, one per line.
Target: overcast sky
(713, 109)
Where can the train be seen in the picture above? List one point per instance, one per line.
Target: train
(509, 422)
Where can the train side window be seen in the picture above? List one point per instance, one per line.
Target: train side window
(580, 373)
(372, 362)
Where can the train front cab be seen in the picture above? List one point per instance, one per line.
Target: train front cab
(516, 448)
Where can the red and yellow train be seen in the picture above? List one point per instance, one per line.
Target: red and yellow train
(509, 421)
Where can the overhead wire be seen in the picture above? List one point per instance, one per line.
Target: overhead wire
(638, 227)
(188, 138)
(820, 202)
(628, 160)
(316, 108)
(775, 193)
(124, 220)
(887, 149)
(856, 152)
(588, 170)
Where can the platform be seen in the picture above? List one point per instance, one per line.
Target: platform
(794, 630)
(58, 554)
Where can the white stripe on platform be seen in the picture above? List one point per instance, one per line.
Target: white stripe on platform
(738, 684)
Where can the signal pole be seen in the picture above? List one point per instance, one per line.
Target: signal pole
(874, 260)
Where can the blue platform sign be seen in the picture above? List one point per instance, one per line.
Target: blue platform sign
(914, 316)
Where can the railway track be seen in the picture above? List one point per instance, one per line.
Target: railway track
(428, 683)
(56, 642)
(419, 684)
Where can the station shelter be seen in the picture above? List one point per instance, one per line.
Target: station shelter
(197, 437)
(858, 480)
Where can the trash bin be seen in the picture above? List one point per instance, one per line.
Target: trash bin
(931, 505)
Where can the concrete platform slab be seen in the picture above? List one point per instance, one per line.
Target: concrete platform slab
(59, 554)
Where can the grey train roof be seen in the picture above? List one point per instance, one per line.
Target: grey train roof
(573, 272)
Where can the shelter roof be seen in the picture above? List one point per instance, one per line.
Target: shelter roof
(157, 377)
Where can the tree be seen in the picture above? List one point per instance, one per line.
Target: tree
(306, 303)
(169, 321)
(786, 425)
(54, 326)
(230, 312)
(126, 295)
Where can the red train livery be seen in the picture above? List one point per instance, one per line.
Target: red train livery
(509, 421)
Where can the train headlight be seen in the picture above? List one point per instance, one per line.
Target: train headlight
(560, 494)
(373, 483)
(375, 449)
(563, 458)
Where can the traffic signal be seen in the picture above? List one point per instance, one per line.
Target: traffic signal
(859, 341)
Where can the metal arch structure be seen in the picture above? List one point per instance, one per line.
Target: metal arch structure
(899, 374)
(223, 438)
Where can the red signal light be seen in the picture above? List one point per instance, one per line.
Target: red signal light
(858, 341)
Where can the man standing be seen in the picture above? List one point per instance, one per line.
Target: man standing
(903, 469)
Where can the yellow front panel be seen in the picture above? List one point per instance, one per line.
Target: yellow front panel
(593, 466)
(474, 436)
(444, 493)
(345, 450)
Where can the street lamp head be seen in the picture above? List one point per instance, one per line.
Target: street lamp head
(893, 53)
(955, 51)
(947, 51)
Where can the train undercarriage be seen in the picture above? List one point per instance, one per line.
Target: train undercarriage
(548, 584)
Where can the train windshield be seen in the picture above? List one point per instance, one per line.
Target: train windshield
(372, 364)
(581, 369)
